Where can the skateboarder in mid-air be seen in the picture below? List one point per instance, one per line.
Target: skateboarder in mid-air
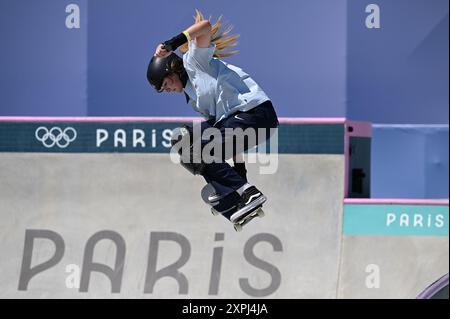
(227, 97)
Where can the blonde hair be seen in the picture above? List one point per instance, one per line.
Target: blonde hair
(219, 37)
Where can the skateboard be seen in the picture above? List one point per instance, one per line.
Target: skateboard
(226, 206)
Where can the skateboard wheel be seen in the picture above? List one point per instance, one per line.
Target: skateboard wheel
(261, 213)
(237, 227)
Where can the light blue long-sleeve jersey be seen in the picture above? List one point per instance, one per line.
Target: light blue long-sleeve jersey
(218, 89)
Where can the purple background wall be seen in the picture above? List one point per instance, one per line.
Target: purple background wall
(313, 58)
(410, 161)
(399, 72)
(277, 48)
(120, 36)
(43, 64)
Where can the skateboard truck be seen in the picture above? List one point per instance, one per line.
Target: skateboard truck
(238, 225)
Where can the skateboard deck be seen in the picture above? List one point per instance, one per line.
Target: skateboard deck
(226, 206)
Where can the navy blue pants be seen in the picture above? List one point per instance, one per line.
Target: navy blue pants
(220, 174)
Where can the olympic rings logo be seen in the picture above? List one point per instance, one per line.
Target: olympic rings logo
(55, 136)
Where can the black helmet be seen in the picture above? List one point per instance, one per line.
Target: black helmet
(159, 68)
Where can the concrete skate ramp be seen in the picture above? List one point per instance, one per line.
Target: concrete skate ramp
(392, 248)
(132, 225)
(139, 196)
(118, 219)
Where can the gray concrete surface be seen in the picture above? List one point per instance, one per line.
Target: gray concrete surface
(405, 266)
(295, 253)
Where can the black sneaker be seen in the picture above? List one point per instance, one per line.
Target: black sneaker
(251, 199)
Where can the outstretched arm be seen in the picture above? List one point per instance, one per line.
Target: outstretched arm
(200, 32)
